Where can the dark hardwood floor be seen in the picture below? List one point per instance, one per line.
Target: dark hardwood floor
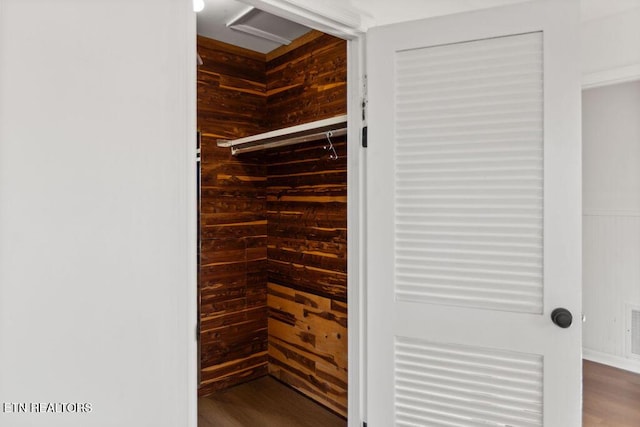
(611, 397)
(264, 402)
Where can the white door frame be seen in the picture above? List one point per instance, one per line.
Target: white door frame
(611, 76)
(191, 195)
(346, 23)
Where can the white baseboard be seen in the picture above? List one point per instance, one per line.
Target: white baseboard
(610, 360)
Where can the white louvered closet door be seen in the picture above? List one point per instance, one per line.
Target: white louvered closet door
(474, 201)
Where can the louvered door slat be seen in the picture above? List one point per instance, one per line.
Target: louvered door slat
(469, 174)
(466, 386)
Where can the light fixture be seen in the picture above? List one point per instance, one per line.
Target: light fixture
(198, 5)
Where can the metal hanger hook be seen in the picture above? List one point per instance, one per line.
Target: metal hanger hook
(333, 155)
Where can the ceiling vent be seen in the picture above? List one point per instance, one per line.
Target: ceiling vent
(267, 26)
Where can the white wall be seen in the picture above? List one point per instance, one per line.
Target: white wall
(611, 47)
(96, 245)
(611, 221)
(384, 12)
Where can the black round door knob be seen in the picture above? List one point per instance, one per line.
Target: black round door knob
(562, 317)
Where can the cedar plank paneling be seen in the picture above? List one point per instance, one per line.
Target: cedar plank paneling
(233, 373)
(307, 345)
(306, 199)
(307, 83)
(276, 216)
(233, 223)
(307, 220)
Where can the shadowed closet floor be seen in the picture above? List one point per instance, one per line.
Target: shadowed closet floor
(611, 397)
(266, 403)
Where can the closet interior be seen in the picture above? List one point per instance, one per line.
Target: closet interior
(273, 219)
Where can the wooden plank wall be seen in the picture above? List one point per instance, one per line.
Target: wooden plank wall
(233, 225)
(278, 217)
(307, 81)
(307, 224)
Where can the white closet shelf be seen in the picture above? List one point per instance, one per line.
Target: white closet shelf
(321, 129)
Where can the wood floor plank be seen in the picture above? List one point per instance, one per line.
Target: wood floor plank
(611, 399)
(611, 396)
(264, 402)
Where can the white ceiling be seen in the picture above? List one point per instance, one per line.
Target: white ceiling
(383, 14)
(213, 19)
(594, 9)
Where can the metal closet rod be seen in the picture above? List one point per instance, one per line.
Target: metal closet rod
(313, 131)
(289, 141)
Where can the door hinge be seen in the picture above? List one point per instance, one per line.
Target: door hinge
(365, 100)
(198, 145)
(198, 331)
(364, 110)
